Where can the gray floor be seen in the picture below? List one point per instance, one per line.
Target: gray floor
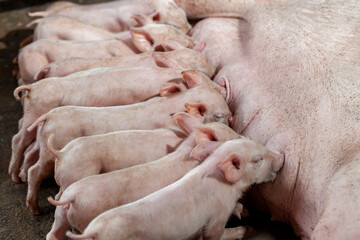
(16, 222)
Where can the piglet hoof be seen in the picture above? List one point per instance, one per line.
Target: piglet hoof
(23, 176)
(32, 207)
(15, 177)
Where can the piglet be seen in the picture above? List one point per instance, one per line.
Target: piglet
(112, 151)
(196, 206)
(140, 39)
(185, 59)
(128, 185)
(116, 16)
(96, 87)
(203, 100)
(42, 52)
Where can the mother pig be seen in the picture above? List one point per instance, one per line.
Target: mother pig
(295, 87)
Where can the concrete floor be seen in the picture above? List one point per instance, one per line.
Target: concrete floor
(16, 222)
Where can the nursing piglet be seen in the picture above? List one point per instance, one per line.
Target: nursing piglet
(204, 100)
(95, 88)
(128, 185)
(140, 39)
(103, 153)
(186, 59)
(116, 16)
(196, 206)
(42, 52)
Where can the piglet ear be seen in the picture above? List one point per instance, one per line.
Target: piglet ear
(199, 46)
(192, 78)
(204, 134)
(169, 45)
(141, 39)
(162, 60)
(185, 122)
(203, 150)
(172, 86)
(196, 110)
(232, 167)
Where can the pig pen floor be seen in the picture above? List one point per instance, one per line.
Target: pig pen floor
(16, 222)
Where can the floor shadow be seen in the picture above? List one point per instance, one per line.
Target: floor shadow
(19, 4)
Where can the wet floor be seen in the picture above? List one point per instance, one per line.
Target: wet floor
(16, 222)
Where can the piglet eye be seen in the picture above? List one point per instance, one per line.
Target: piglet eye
(257, 159)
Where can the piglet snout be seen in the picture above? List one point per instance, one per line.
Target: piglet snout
(279, 160)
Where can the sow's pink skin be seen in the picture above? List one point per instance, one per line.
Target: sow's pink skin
(204, 100)
(203, 199)
(294, 87)
(131, 184)
(116, 16)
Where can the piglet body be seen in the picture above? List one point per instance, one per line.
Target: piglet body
(95, 87)
(116, 16)
(179, 59)
(128, 185)
(112, 151)
(198, 205)
(45, 51)
(203, 100)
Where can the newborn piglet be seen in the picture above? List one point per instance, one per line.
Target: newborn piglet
(103, 153)
(185, 59)
(196, 206)
(203, 99)
(75, 208)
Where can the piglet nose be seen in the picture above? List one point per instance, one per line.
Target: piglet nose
(279, 161)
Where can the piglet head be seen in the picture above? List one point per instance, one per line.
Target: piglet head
(183, 59)
(150, 36)
(244, 160)
(170, 13)
(209, 137)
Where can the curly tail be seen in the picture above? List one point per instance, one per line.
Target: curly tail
(42, 118)
(36, 21)
(50, 147)
(65, 203)
(38, 14)
(82, 236)
(19, 89)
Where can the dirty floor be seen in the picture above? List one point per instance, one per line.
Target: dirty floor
(16, 222)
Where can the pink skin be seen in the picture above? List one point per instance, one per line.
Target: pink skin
(179, 59)
(141, 39)
(202, 200)
(112, 151)
(42, 52)
(134, 183)
(290, 89)
(203, 100)
(220, 50)
(121, 86)
(116, 16)
(64, 28)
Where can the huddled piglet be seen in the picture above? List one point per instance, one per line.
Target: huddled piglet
(196, 206)
(99, 87)
(111, 151)
(42, 52)
(140, 39)
(116, 16)
(185, 59)
(124, 186)
(203, 99)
